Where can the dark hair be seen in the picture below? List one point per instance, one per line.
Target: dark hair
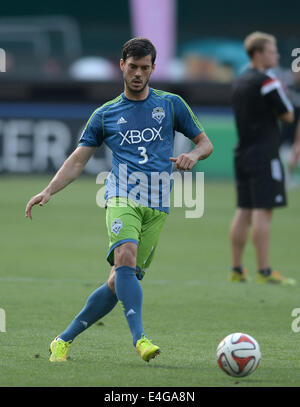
(138, 48)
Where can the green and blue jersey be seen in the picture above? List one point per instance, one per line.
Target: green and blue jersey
(140, 135)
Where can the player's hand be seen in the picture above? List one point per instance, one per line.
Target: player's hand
(185, 161)
(41, 199)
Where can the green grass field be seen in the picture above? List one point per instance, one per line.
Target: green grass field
(49, 267)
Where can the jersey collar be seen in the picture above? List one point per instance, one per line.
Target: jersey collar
(138, 101)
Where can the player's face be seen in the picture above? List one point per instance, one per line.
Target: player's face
(136, 72)
(270, 55)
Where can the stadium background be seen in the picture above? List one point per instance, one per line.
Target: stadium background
(50, 266)
(46, 96)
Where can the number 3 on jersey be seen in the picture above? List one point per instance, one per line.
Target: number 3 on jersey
(143, 154)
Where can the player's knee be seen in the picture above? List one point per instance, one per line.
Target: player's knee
(126, 259)
(261, 217)
(125, 255)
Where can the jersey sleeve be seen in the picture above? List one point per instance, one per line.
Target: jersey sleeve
(92, 135)
(185, 120)
(272, 91)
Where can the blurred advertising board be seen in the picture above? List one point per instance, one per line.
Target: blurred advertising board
(37, 137)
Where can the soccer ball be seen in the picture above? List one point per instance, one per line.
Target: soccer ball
(238, 354)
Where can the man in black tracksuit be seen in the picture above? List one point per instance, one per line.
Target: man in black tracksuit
(258, 102)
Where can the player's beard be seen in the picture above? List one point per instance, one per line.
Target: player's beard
(135, 91)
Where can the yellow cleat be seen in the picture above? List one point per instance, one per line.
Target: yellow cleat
(58, 350)
(236, 277)
(275, 278)
(146, 349)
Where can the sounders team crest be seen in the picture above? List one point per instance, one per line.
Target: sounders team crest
(116, 226)
(158, 114)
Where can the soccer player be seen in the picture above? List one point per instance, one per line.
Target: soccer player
(138, 126)
(258, 102)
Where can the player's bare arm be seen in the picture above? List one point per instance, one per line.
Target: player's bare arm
(203, 149)
(287, 117)
(69, 171)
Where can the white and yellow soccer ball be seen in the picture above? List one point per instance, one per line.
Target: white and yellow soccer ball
(238, 354)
